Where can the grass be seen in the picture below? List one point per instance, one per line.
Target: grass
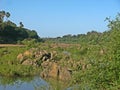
(91, 69)
(9, 65)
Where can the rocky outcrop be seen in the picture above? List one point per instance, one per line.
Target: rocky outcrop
(34, 57)
(54, 65)
(47, 61)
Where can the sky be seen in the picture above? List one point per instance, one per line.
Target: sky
(54, 18)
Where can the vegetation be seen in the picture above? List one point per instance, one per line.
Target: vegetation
(11, 33)
(95, 56)
(100, 52)
(10, 66)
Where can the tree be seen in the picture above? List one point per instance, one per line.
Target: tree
(32, 34)
(10, 33)
(21, 25)
(7, 15)
(114, 26)
(2, 15)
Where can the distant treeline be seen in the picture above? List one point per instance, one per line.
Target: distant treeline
(11, 33)
(92, 37)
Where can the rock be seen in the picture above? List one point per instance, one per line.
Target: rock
(44, 73)
(64, 74)
(46, 60)
(46, 56)
(20, 57)
(38, 54)
(53, 54)
(27, 62)
(54, 70)
(45, 64)
(27, 53)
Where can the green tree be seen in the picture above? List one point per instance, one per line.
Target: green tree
(10, 33)
(2, 15)
(114, 26)
(33, 34)
(21, 25)
(7, 15)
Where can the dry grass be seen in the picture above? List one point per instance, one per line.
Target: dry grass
(63, 45)
(11, 45)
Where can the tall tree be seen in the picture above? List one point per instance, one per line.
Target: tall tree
(2, 15)
(7, 15)
(21, 25)
(114, 26)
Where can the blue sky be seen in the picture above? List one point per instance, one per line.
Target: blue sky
(52, 18)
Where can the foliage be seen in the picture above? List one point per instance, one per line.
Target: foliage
(99, 53)
(11, 33)
(9, 65)
(104, 71)
(93, 57)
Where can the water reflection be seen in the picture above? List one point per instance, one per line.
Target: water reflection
(31, 83)
(37, 83)
(27, 83)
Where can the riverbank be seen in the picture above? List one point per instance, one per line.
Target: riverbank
(80, 64)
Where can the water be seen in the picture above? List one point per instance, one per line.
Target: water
(31, 83)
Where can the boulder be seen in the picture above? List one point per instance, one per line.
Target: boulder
(20, 57)
(54, 70)
(45, 64)
(53, 54)
(64, 74)
(27, 53)
(27, 62)
(46, 56)
(44, 73)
